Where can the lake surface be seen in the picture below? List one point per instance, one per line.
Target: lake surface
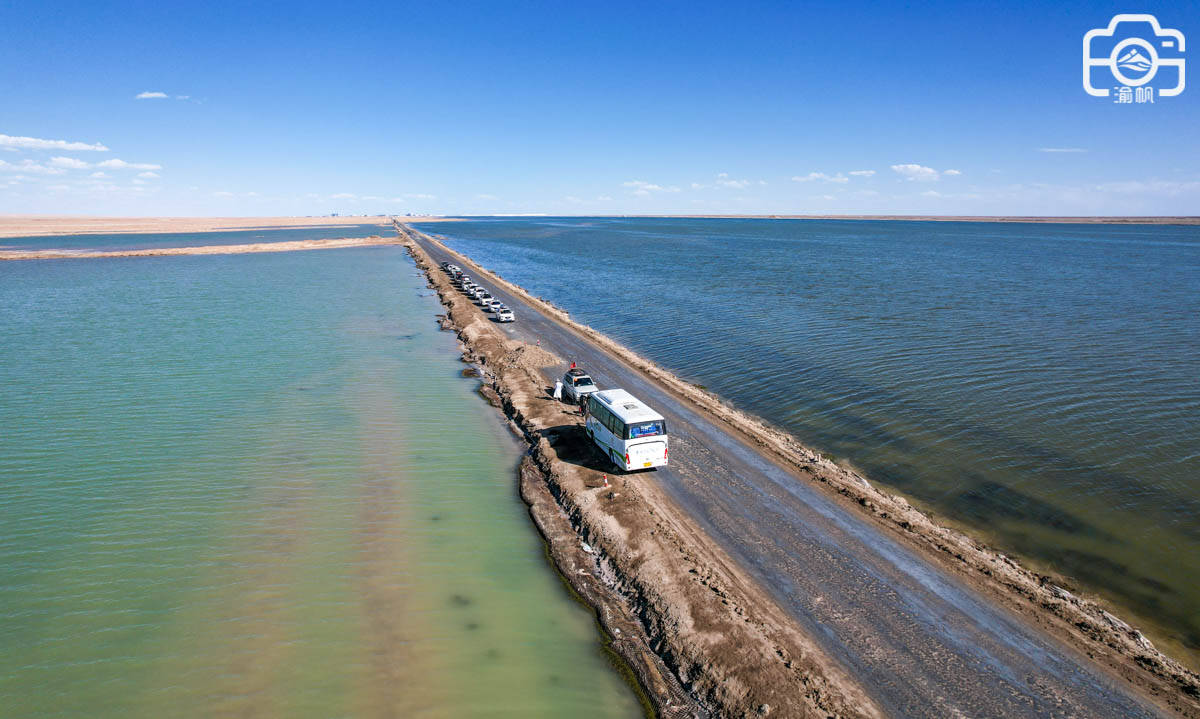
(258, 484)
(1037, 383)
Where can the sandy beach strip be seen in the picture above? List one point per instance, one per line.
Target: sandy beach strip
(46, 225)
(291, 246)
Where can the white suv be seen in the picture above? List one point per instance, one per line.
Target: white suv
(576, 384)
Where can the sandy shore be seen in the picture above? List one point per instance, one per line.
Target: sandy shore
(43, 225)
(633, 541)
(292, 246)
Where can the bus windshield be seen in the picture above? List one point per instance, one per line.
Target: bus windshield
(646, 429)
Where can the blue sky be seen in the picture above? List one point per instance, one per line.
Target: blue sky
(306, 108)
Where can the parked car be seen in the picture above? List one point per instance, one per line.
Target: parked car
(577, 384)
(493, 305)
(505, 315)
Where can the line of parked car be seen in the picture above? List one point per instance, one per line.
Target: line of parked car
(478, 293)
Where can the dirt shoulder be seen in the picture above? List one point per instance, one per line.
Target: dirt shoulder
(292, 246)
(1083, 623)
(698, 634)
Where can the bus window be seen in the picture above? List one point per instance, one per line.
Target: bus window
(646, 429)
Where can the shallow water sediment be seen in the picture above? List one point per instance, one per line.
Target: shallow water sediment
(237, 484)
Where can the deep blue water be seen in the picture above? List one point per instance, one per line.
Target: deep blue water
(1038, 383)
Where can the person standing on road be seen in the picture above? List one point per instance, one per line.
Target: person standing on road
(558, 389)
(583, 405)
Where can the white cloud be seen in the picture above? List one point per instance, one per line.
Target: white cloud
(420, 196)
(931, 193)
(147, 95)
(861, 173)
(183, 97)
(724, 181)
(223, 193)
(139, 182)
(814, 176)
(951, 173)
(1061, 149)
(342, 196)
(645, 188)
(603, 198)
(486, 197)
(34, 143)
(30, 167)
(918, 173)
(98, 174)
(122, 165)
(68, 162)
(59, 188)
(147, 174)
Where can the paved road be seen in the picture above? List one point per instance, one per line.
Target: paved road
(921, 642)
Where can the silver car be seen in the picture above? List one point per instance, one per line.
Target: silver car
(505, 315)
(577, 384)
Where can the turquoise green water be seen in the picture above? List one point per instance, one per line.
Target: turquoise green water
(257, 484)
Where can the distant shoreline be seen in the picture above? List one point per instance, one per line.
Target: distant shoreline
(257, 247)
(1065, 219)
(52, 225)
(1082, 220)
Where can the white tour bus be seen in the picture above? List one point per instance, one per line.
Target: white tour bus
(630, 433)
